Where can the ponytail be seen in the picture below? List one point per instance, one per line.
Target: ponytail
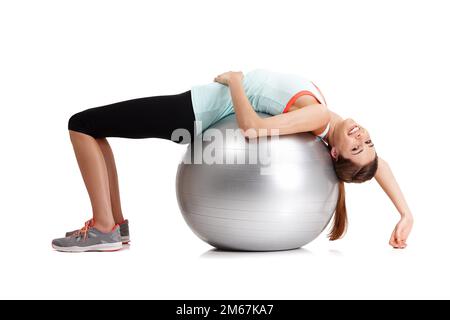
(347, 171)
(340, 215)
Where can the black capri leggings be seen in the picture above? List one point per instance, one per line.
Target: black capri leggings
(150, 117)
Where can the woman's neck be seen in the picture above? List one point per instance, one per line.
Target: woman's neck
(335, 119)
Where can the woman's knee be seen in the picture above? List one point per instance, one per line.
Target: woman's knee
(78, 122)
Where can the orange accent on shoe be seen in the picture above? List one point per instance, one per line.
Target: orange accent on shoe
(84, 231)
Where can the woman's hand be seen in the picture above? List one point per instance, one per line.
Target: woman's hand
(226, 77)
(401, 232)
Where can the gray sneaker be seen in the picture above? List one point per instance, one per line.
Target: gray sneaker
(124, 232)
(89, 239)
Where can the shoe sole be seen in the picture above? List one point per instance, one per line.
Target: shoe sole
(125, 240)
(104, 247)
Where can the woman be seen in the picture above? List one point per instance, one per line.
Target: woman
(297, 105)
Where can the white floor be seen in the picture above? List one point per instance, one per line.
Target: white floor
(154, 268)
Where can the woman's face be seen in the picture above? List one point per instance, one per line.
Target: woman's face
(352, 141)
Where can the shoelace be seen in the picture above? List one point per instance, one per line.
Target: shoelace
(84, 231)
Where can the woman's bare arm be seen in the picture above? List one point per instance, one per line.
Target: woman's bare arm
(306, 119)
(246, 116)
(386, 180)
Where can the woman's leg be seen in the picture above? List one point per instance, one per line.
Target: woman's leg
(95, 175)
(151, 117)
(113, 180)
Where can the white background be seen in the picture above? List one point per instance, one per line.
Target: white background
(383, 63)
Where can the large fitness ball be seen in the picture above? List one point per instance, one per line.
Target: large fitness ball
(281, 201)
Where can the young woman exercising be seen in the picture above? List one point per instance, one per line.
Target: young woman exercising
(296, 105)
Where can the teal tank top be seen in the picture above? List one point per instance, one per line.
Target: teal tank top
(268, 92)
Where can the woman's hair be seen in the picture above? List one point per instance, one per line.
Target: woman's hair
(348, 171)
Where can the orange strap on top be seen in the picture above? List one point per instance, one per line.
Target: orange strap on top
(304, 93)
(298, 95)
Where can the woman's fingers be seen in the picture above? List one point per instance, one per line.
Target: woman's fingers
(398, 244)
(401, 244)
(401, 237)
(397, 241)
(392, 240)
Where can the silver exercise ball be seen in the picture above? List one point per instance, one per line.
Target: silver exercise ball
(281, 201)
